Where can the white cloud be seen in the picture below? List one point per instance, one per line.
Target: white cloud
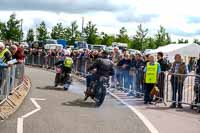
(180, 17)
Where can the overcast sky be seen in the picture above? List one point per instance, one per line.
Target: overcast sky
(181, 18)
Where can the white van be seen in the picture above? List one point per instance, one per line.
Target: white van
(134, 51)
(98, 47)
(120, 45)
(53, 46)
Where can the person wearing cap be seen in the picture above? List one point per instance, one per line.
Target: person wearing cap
(178, 72)
(151, 71)
(5, 54)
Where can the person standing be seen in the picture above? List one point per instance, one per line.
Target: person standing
(5, 54)
(161, 81)
(132, 76)
(197, 83)
(139, 65)
(151, 71)
(17, 53)
(179, 71)
(198, 66)
(125, 67)
(115, 60)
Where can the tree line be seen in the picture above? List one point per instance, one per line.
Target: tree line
(12, 30)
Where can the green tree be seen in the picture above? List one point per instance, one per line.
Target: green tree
(42, 33)
(57, 32)
(150, 43)
(182, 41)
(162, 38)
(107, 39)
(30, 35)
(71, 33)
(196, 41)
(139, 40)
(1, 29)
(122, 37)
(90, 33)
(12, 29)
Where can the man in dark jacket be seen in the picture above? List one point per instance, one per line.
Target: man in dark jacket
(102, 67)
(164, 67)
(140, 64)
(198, 66)
(197, 82)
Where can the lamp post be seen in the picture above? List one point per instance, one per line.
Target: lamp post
(21, 33)
(82, 38)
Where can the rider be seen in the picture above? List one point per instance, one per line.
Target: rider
(102, 66)
(66, 65)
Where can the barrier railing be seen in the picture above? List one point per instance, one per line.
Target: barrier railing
(131, 81)
(10, 78)
(183, 88)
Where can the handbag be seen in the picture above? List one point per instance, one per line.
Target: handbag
(154, 91)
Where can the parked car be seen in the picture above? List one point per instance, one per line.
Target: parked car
(121, 46)
(134, 51)
(24, 44)
(109, 49)
(99, 47)
(37, 44)
(80, 45)
(53, 46)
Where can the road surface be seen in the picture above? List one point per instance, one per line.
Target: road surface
(64, 111)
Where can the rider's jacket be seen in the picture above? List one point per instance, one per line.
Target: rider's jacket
(104, 67)
(66, 64)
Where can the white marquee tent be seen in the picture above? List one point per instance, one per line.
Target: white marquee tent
(186, 50)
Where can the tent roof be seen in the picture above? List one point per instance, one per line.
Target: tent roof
(188, 49)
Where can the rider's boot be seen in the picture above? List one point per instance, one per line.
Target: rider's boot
(87, 93)
(56, 80)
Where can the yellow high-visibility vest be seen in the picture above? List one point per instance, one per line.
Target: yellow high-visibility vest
(2, 54)
(151, 73)
(68, 62)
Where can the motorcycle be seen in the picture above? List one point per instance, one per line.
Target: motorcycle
(62, 79)
(98, 90)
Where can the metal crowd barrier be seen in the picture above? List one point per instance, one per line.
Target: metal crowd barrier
(180, 88)
(10, 78)
(42, 61)
(183, 88)
(131, 81)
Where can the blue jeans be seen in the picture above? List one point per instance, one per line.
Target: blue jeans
(132, 83)
(119, 77)
(89, 79)
(176, 87)
(139, 81)
(126, 78)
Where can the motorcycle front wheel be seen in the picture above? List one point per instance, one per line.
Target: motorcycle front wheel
(100, 96)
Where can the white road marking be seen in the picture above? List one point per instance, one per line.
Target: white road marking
(146, 122)
(20, 120)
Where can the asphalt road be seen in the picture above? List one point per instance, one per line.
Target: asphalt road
(65, 112)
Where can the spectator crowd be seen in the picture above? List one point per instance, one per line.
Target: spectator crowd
(132, 71)
(10, 56)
